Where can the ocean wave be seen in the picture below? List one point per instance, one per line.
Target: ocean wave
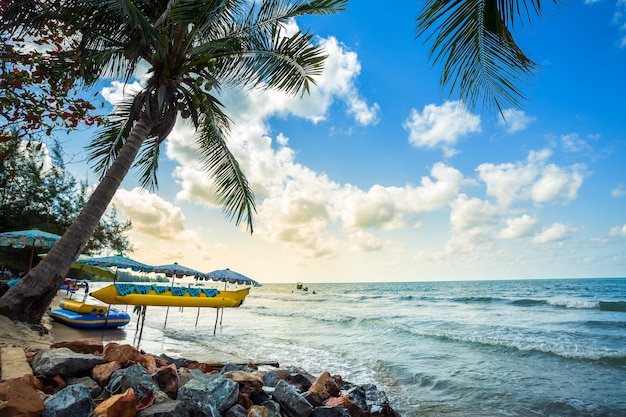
(613, 306)
(568, 348)
(468, 300)
(575, 304)
(619, 306)
(528, 302)
(606, 324)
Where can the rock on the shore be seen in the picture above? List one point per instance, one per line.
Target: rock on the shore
(76, 380)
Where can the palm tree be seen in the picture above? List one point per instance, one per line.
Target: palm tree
(472, 39)
(193, 48)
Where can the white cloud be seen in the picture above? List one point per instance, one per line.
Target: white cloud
(441, 126)
(618, 231)
(618, 191)
(151, 215)
(533, 179)
(558, 184)
(361, 241)
(473, 223)
(572, 142)
(514, 120)
(554, 233)
(518, 227)
(396, 207)
(117, 91)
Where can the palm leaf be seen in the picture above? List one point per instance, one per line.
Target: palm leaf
(472, 40)
(231, 185)
(106, 144)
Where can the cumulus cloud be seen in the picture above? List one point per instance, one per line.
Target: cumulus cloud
(305, 211)
(395, 207)
(533, 179)
(572, 142)
(117, 91)
(554, 233)
(514, 120)
(518, 227)
(151, 215)
(361, 241)
(441, 126)
(619, 231)
(473, 223)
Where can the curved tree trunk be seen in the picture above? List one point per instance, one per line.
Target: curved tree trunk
(29, 299)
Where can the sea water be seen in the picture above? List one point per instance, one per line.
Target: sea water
(479, 348)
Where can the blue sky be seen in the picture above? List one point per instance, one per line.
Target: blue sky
(379, 175)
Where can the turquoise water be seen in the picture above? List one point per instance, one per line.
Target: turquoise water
(484, 348)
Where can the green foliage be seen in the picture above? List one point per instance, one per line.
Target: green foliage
(36, 192)
(473, 41)
(194, 48)
(40, 77)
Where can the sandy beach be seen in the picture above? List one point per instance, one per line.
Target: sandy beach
(19, 334)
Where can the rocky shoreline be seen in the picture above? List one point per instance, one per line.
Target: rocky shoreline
(86, 378)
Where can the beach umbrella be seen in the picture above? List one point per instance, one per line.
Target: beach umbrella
(33, 238)
(117, 261)
(231, 277)
(91, 269)
(178, 271)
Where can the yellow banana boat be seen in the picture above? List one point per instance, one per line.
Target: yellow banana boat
(80, 307)
(155, 295)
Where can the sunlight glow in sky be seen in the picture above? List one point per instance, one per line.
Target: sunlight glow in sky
(378, 176)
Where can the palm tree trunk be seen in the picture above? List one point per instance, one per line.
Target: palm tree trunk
(28, 300)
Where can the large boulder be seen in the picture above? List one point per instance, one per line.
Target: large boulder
(71, 401)
(223, 391)
(88, 345)
(196, 395)
(325, 386)
(64, 361)
(126, 355)
(248, 382)
(17, 398)
(291, 401)
(167, 379)
(171, 408)
(102, 373)
(119, 405)
(135, 377)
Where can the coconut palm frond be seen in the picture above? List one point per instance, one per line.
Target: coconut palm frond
(480, 58)
(106, 144)
(286, 63)
(148, 164)
(231, 185)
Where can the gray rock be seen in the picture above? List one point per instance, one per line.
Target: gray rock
(135, 377)
(224, 391)
(375, 399)
(63, 361)
(273, 408)
(71, 401)
(94, 388)
(270, 379)
(236, 410)
(171, 408)
(229, 367)
(330, 412)
(291, 401)
(356, 394)
(185, 375)
(161, 397)
(197, 396)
